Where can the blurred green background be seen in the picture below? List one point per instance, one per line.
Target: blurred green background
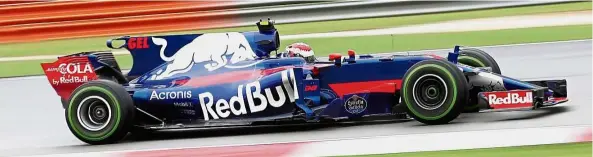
(324, 46)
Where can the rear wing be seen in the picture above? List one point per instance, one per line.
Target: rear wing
(67, 73)
(71, 71)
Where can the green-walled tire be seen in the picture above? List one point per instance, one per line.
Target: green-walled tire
(100, 112)
(476, 58)
(434, 91)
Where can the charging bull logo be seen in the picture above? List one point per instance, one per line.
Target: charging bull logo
(210, 47)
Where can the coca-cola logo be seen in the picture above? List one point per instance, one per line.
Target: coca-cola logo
(73, 68)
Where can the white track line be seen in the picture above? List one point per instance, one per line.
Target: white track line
(446, 141)
(405, 143)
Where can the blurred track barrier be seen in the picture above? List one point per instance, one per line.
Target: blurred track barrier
(81, 10)
(5, 3)
(75, 19)
(71, 19)
(85, 10)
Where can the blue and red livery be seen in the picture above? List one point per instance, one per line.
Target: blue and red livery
(229, 79)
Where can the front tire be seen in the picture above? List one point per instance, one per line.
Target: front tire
(476, 58)
(100, 112)
(434, 91)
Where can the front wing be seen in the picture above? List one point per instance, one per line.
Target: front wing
(547, 93)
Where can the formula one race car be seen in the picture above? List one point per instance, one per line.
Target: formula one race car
(229, 79)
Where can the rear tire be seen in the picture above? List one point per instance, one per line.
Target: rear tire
(100, 112)
(476, 58)
(101, 77)
(434, 91)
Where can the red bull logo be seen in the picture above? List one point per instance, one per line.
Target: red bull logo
(256, 99)
(211, 47)
(509, 99)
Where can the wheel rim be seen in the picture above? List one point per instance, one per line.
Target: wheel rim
(94, 113)
(429, 91)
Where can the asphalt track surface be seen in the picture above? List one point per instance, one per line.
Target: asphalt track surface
(33, 122)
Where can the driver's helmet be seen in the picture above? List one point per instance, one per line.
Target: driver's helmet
(300, 50)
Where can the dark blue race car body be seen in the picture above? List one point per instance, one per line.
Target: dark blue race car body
(201, 80)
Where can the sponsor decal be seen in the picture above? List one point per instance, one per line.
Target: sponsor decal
(52, 69)
(67, 73)
(210, 47)
(183, 104)
(70, 73)
(510, 99)
(355, 104)
(310, 88)
(72, 68)
(138, 43)
(70, 79)
(188, 112)
(170, 95)
(236, 105)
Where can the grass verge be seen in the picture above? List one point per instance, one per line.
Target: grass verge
(551, 150)
(383, 43)
(67, 46)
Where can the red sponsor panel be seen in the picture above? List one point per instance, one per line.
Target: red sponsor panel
(68, 73)
(383, 86)
(509, 99)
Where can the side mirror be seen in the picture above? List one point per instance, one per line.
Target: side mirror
(351, 54)
(336, 57)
